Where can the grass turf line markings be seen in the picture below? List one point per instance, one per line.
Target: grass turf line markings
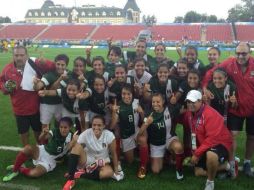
(18, 186)
(11, 148)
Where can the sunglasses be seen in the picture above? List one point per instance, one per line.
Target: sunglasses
(242, 53)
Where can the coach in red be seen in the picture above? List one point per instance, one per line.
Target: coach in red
(16, 80)
(241, 69)
(211, 140)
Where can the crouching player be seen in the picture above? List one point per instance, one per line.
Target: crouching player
(211, 140)
(162, 136)
(60, 140)
(91, 155)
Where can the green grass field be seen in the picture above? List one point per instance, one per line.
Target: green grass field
(55, 180)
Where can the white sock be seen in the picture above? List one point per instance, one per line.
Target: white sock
(246, 161)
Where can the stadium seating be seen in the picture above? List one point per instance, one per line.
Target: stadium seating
(66, 32)
(219, 32)
(21, 31)
(176, 32)
(117, 32)
(245, 32)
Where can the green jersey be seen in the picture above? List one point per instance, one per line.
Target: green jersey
(128, 118)
(130, 56)
(48, 79)
(72, 105)
(98, 102)
(160, 130)
(165, 89)
(57, 145)
(110, 68)
(116, 89)
(90, 75)
(154, 63)
(221, 95)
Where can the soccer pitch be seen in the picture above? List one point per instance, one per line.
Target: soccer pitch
(54, 180)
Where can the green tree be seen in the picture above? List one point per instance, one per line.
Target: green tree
(5, 19)
(242, 13)
(192, 17)
(178, 19)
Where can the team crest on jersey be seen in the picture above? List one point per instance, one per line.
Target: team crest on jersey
(104, 145)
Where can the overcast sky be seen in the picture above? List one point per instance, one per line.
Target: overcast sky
(164, 10)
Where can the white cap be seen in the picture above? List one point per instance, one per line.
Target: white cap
(194, 95)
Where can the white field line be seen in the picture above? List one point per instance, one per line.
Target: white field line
(11, 148)
(18, 186)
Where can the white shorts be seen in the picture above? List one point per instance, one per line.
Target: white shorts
(130, 143)
(90, 160)
(90, 115)
(47, 111)
(159, 151)
(45, 159)
(66, 113)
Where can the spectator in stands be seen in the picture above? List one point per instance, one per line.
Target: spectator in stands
(241, 70)
(160, 57)
(211, 140)
(16, 80)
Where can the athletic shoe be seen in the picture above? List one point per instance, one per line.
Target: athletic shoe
(118, 176)
(10, 176)
(209, 185)
(187, 161)
(79, 173)
(69, 185)
(141, 173)
(179, 175)
(247, 170)
(98, 163)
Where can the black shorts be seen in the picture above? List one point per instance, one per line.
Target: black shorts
(220, 150)
(24, 123)
(235, 123)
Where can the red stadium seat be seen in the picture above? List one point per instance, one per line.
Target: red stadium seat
(21, 31)
(245, 32)
(117, 32)
(66, 32)
(219, 32)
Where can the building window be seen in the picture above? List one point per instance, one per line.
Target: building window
(83, 14)
(49, 13)
(55, 13)
(42, 14)
(97, 14)
(62, 13)
(29, 14)
(118, 13)
(104, 13)
(36, 14)
(111, 14)
(90, 14)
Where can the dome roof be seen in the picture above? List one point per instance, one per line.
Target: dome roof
(47, 4)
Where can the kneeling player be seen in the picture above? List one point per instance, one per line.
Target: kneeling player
(60, 140)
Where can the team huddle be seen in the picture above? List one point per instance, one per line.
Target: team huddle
(132, 101)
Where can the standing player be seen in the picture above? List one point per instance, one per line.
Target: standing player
(16, 80)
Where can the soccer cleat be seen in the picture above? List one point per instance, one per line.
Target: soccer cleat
(179, 175)
(98, 163)
(247, 170)
(187, 161)
(69, 185)
(79, 173)
(209, 185)
(10, 176)
(141, 173)
(118, 176)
